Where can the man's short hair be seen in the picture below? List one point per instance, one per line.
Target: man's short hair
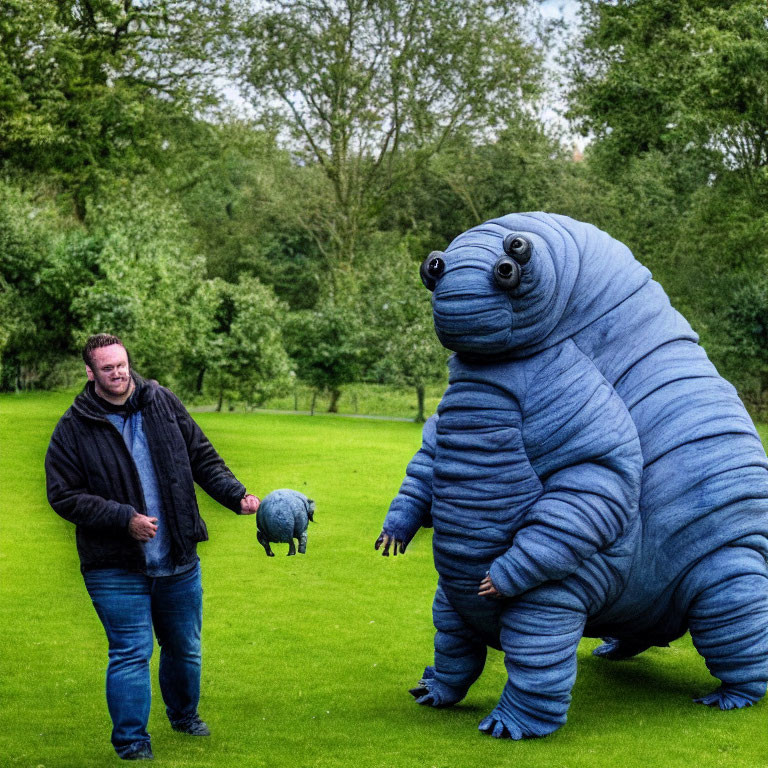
(98, 341)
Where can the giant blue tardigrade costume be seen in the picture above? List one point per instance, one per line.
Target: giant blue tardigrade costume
(589, 467)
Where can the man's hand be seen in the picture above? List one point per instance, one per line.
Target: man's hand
(488, 590)
(386, 541)
(142, 528)
(249, 504)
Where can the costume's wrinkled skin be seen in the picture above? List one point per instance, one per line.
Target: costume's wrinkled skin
(588, 457)
(284, 515)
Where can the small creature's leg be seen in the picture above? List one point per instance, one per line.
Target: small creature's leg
(539, 635)
(728, 620)
(291, 548)
(262, 539)
(459, 658)
(303, 543)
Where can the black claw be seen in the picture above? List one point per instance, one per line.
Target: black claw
(417, 693)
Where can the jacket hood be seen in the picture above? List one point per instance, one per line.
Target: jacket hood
(87, 404)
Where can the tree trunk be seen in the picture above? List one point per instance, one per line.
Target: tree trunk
(420, 397)
(334, 406)
(221, 400)
(312, 405)
(199, 384)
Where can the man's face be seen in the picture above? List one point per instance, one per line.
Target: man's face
(110, 371)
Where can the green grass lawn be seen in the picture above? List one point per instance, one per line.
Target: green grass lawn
(307, 660)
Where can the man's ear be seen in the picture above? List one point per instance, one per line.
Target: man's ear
(89, 373)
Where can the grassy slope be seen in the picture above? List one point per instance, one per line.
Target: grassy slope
(307, 660)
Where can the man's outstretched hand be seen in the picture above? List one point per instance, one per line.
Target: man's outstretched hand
(249, 504)
(385, 541)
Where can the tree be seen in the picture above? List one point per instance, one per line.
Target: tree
(357, 82)
(90, 89)
(522, 169)
(678, 77)
(327, 345)
(242, 353)
(743, 345)
(674, 94)
(35, 313)
(243, 197)
(138, 278)
(401, 344)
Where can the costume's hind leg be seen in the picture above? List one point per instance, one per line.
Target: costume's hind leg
(459, 657)
(728, 620)
(539, 637)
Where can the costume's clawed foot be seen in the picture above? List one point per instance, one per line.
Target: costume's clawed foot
(432, 693)
(614, 649)
(503, 726)
(734, 696)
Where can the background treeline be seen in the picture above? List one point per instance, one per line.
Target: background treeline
(241, 249)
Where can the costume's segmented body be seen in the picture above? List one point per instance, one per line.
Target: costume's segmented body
(588, 455)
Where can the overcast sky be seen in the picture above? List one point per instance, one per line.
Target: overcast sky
(565, 9)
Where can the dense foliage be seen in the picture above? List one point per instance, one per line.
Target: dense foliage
(241, 249)
(674, 94)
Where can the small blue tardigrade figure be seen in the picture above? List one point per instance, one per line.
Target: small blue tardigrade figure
(284, 515)
(588, 472)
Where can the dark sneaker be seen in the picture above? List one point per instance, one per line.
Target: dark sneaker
(193, 725)
(144, 752)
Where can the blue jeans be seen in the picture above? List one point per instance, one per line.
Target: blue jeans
(129, 605)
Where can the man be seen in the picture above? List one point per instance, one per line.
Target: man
(121, 466)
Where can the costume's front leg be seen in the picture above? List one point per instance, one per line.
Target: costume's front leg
(459, 658)
(539, 636)
(411, 508)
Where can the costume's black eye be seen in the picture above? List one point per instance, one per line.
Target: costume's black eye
(518, 248)
(431, 269)
(506, 273)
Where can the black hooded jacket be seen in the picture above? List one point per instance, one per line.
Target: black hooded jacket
(93, 482)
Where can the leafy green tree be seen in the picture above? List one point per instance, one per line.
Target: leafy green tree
(35, 316)
(326, 344)
(674, 95)
(90, 89)
(243, 352)
(138, 278)
(401, 345)
(742, 344)
(357, 82)
(522, 169)
(678, 77)
(244, 199)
